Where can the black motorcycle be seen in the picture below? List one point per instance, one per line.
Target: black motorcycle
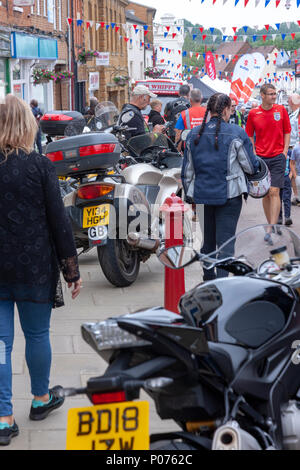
(225, 369)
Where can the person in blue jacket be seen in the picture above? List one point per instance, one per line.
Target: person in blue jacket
(216, 158)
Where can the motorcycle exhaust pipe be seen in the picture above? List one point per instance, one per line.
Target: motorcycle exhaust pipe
(231, 437)
(134, 239)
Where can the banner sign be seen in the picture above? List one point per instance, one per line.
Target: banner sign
(210, 65)
(162, 87)
(102, 59)
(94, 82)
(246, 75)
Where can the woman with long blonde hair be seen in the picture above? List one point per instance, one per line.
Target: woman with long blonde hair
(36, 242)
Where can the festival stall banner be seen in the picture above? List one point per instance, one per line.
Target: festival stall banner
(246, 75)
(255, 74)
(240, 74)
(210, 65)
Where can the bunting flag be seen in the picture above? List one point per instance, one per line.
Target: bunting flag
(79, 22)
(69, 20)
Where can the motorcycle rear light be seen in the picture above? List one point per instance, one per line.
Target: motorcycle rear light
(96, 149)
(112, 397)
(56, 117)
(94, 191)
(55, 156)
(107, 335)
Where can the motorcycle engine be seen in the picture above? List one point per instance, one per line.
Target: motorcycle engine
(290, 418)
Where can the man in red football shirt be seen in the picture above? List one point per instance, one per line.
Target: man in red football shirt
(271, 125)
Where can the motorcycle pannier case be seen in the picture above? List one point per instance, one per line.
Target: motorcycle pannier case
(84, 153)
(53, 123)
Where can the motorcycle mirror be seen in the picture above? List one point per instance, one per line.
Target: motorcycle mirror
(185, 134)
(127, 117)
(178, 257)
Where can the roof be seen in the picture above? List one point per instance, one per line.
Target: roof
(130, 17)
(141, 5)
(264, 50)
(206, 91)
(230, 48)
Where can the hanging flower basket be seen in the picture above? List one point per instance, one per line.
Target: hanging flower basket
(153, 72)
(121, 80)
(62, 76)
(85, 55)
(44, 76)
(41, 76)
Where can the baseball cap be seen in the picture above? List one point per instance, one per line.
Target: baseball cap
(295, 97)
(143, 90)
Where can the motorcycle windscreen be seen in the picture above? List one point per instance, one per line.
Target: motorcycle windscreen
(143, 142)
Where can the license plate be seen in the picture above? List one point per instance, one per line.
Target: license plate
(96, 215)
(117, 426)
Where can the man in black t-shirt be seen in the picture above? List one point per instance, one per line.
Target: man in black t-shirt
(131, 113)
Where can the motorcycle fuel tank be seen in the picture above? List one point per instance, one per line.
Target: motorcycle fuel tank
(238, 310)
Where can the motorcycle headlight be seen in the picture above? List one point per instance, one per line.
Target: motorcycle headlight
(106, 335)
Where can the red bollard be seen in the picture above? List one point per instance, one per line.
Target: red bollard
(173, 211)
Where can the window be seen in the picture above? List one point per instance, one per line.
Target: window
(38, 12)
(45, 8)
(54, 15)
(59, 6)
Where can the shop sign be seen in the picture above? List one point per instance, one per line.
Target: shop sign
(23, 3)
(162, 87)
(94, 81)
(102, 59)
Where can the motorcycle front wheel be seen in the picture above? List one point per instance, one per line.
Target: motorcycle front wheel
(120, 264)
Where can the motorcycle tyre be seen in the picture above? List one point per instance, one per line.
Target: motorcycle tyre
(111, 267)
(171, 445)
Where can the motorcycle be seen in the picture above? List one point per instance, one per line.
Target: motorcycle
(225, 369)
(112, 195)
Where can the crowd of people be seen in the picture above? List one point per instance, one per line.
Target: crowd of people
(220, 154)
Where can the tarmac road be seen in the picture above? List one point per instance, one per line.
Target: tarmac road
(73, 361)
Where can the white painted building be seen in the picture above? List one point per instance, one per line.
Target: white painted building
(168, 44)
(135, 46)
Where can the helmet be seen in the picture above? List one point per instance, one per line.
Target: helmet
(259, 184)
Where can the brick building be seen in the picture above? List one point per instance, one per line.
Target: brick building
(35, 37)
(105, 34)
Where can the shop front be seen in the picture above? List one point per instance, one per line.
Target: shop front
(30, 53)
(4, 63)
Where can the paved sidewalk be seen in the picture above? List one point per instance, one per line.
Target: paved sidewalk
(73, 360)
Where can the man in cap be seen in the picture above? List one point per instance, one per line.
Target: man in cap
(131, 114)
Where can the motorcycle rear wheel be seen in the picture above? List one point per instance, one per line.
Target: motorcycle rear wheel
(120, 264)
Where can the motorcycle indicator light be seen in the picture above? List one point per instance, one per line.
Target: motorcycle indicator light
(93, 191)
(107, 335)
(55, 156)
(56, 117)
(112, 397)
(96, 149)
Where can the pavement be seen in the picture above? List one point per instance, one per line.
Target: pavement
(73, 361)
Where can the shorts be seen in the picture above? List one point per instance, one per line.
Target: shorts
(276, 167)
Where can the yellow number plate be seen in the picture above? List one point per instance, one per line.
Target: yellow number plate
(96, 215)
(118, 426)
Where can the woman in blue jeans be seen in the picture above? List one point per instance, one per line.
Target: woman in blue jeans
(216, 158)
(36, 242)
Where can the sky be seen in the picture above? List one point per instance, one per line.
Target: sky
(228, 15)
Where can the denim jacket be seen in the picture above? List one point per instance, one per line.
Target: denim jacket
(211, 176)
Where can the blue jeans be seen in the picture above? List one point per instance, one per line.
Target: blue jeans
(219, 225)
(35, 322)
